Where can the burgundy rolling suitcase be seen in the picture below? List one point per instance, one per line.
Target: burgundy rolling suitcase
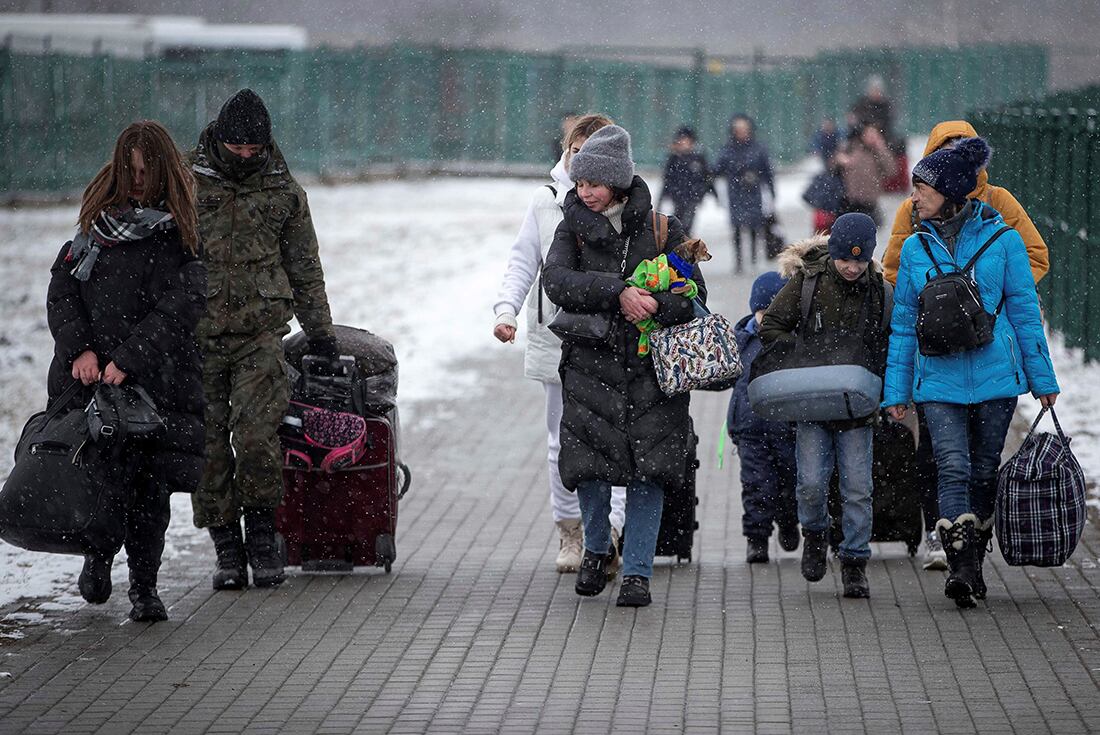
(342, 477)
(333, 521)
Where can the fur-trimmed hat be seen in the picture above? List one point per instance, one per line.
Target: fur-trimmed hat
(953, 171)
(605, 158)
(852, 237)
(243, 120)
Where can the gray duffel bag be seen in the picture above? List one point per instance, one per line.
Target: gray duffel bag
(822, 393)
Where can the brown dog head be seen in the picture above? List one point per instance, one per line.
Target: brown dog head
(693, 250)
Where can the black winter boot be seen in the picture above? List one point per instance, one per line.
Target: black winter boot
(94, 582)
(592, 576)
(263, 554)
(814, 551)
(147, 607)
(757, 552)
(960, 542)
(232, 571)
(634, 592)
(985, 545)
(853, 573)
(789, 537)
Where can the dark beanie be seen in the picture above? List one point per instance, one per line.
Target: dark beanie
(243, 120)
(953, 171)
(852, 237)
(764, 290)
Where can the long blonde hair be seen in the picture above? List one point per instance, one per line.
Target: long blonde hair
(167, 180)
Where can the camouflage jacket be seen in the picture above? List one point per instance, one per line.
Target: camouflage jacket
(260, 250)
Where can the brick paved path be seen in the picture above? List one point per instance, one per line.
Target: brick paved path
(475, 632)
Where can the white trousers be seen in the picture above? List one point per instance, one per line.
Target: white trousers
(566, 505)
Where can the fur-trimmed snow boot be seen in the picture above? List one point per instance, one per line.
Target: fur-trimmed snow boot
(985, 545)
(960, 542)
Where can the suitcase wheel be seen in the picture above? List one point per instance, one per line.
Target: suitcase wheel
(280, 547)
(385, 551)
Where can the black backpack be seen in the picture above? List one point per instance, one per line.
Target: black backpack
(951, 317)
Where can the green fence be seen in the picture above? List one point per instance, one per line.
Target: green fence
(344, 110)
(1047, 153)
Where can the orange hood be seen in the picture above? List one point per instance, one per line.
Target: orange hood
(956, 129)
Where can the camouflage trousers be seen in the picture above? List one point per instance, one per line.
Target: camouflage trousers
(245, 381)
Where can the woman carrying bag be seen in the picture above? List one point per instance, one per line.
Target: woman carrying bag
(124, 300)
(618, 427)
(967, 340)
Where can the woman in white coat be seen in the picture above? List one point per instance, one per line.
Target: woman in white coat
(543, 348)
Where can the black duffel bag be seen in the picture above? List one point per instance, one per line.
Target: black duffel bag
(66, 494)
(375, 384)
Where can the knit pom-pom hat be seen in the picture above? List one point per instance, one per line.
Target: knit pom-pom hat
(953, 171)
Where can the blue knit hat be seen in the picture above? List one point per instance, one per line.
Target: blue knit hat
(953, 171)
(853, 237)
(764, 289)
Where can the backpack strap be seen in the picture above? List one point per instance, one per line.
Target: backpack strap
(809, 286)
(928, 252)
(887, 302)
(970, 263)
(552, 190)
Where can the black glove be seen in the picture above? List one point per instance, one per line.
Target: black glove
(324, 347)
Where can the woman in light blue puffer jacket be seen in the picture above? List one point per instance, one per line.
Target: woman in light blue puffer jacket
(967, 398)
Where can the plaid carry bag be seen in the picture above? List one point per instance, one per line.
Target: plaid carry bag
(1040, 500)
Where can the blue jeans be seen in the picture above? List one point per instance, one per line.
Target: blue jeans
(967, 440)
(820, 450)
(644, 503)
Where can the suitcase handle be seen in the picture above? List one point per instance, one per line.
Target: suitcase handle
(408, 479)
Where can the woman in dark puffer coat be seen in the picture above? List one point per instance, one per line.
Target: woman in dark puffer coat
(124, 300)
(618, 427)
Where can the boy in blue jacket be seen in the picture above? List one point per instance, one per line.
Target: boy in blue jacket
(767, 448)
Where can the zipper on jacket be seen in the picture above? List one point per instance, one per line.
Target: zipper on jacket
(920, 371)
(1012, 354)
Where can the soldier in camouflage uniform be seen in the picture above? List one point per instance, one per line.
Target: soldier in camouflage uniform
(263, 266)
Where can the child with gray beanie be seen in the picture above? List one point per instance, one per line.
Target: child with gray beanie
(618, 427)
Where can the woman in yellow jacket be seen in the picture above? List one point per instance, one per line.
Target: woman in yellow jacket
(996, 197)
(945, 134)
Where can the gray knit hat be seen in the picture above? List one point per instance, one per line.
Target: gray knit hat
(605, 158)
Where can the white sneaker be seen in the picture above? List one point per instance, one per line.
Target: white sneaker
(571, 545)
(935, 559)
(614, 559)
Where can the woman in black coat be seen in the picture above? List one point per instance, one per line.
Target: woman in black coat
(124, 300)
(618, 427)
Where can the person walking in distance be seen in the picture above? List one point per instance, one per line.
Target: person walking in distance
(264, 269)
(522, 280)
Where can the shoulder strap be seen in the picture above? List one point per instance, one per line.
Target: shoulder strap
(660, 231)
(552, 190)
(970, 263)
(887, 302)
(928, 251)
(809, 285)
(63, 400)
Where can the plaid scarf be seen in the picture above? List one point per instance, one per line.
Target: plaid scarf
(122, 223)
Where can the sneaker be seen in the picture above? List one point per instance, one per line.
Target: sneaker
(570, 545)
(614, 554)
(757, 552)
(935, 558)
(592, 575)
(789, 536)
(634, 592)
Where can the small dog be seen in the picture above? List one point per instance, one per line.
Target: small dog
(670, 272)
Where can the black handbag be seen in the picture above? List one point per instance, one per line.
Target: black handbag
(117, 413)
(825, 192)
(66, 494)
(593, 329)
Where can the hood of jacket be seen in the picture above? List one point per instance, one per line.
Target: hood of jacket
(206, 164)
(956, 129)
(562, 182)
(810, 256)
(746, 328)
